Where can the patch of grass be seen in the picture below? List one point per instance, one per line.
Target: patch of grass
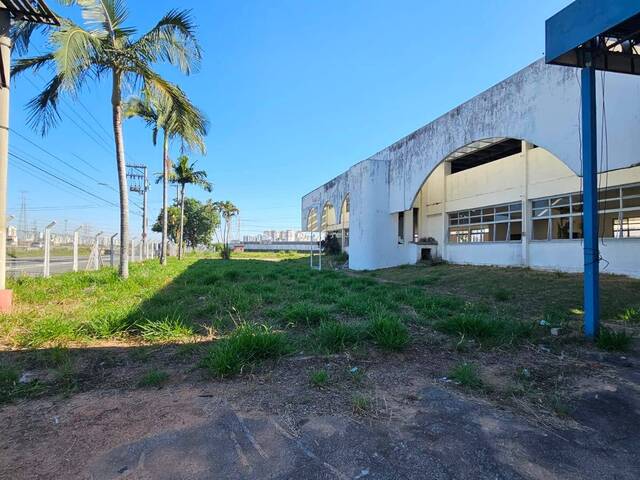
(502, 294)
(485, 328)
(232, 275)
(332, 336)
(168, 328)
(613, 341)
(319, 378)
(11, 388)
(361, 404)
(305, 313)
(467, 375)
(154, 379)
(388, 332)
(245, 346)
(631, 315)
(56, 329)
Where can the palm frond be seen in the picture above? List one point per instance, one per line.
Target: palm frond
(109, 15)
(76, 50)
(21, 33)
(34, 63)
(172, 40)
(43, 108)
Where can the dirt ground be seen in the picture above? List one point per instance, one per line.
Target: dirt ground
(272, 423)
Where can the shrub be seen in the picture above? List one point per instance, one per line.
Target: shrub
(247, 344)
(613, 341)
(466, 374)
(388, 332)
(334, 336)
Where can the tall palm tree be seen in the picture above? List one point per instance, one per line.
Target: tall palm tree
(227, 211)
(157, 111)
(106, 47)
(183, 174)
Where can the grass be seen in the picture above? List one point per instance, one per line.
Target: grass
(305, 314)
(333, 337)
(319, 378)
(613, 341)
(388, 332)
(631, 315)
(11, 388)
(154, 379)
(361, 404)
(244, 347)
(486, 328)
(467, 375)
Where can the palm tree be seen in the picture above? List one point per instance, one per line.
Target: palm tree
(106, 47)
(227, 210)
(158, 113)
(183, 174)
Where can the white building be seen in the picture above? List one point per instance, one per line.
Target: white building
(496, 181)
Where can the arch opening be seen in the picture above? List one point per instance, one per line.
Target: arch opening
(312, 220)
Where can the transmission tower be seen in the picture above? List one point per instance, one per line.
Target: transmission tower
(139, 183)
(23, 226)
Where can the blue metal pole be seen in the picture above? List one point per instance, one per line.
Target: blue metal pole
(590, 215)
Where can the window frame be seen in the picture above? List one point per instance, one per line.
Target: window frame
(489, 217)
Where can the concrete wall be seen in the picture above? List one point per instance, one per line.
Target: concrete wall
(539, 104)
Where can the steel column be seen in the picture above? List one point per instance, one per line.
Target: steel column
(590, 215)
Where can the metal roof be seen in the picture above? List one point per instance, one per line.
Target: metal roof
(35, 11)
(483, 151)
(608, 31)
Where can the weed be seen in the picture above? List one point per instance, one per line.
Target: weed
(49, 330)
(247, 344)
(11, 388)
(483, 327)
(631, 315)
(613, 341)
(502, 295)
(388, 332)
(305, 313)
(154, 379)
(334, 336)
(169, 328)
(466, 374)
(361, 404)
(319, 378)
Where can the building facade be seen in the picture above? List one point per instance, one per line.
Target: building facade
(496, 181)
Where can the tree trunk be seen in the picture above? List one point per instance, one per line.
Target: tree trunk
(181, 221)
(116, 104)
(165, 194)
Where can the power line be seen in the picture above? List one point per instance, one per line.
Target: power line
(62, 179)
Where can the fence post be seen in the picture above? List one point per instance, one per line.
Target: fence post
(46, 272)
(76, 240)
(133, 250)
(96, 247)
(112, 255)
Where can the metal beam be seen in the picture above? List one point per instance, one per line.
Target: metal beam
(590, 215)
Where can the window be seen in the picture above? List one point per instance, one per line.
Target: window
(416, 229)
(400, 227)
(560, 217)
(501, 223)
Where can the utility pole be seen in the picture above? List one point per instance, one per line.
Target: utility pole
(139, 183)
(33, 13)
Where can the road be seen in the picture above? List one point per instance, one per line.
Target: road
(33, 266)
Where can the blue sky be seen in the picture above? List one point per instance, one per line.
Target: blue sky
(296, 92)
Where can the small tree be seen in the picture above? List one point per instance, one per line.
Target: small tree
(183, 174)
(200, 222)
(227, 211)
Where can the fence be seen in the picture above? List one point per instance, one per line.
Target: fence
(49, 251)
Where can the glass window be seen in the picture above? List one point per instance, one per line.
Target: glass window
(486, 224)
(541, 229)
(560, 228)
(629, 227)
(576, 226)
(400, 227)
